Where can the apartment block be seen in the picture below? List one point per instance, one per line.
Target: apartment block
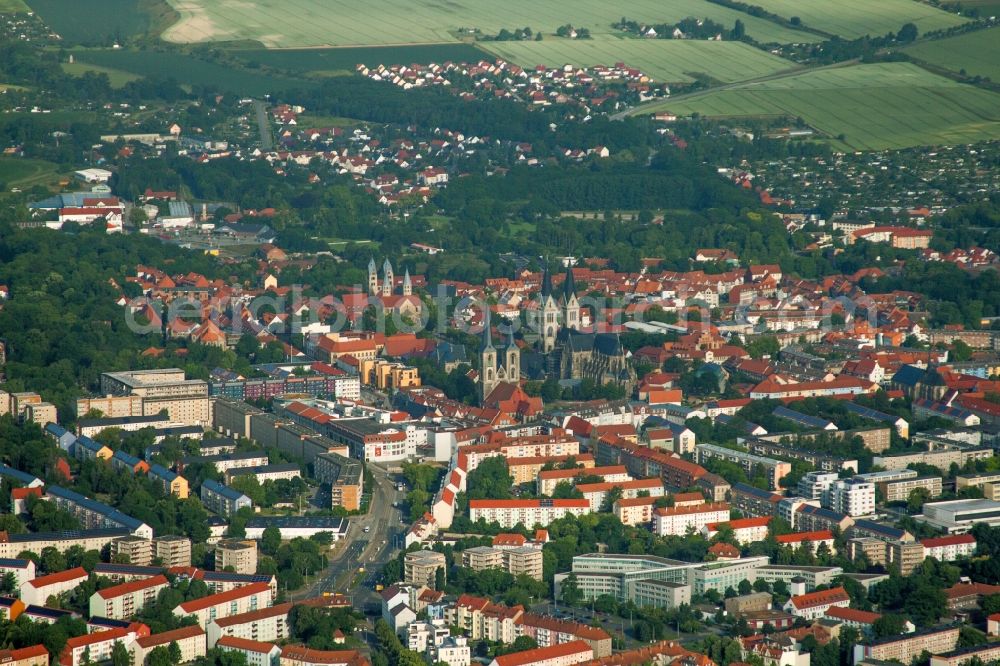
(904, 648)
(173, 551)
(190, 641)
(224, 604)
(256, 653)
(345, 477)
(124, 601)
(134, 550)
(775, 470)
(421, 567)
(264, 624)
(529, 513)
(238, 555)
(679, 520)
(94, 648)
(221, 499)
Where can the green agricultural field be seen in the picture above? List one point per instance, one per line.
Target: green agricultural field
(323, 61)
(191, 71)
(877, 106)
(93, 21)
(668, 60)
(20, 172)
(978, 53)
(305, 23)
(12, 6)
(854, 18)
(117, 77)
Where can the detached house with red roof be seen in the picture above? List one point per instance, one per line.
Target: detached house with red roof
(814, 605)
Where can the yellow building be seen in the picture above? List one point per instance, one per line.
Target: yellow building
(387, 375)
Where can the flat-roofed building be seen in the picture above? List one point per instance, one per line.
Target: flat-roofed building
(421, 567)
(904, 648)
(172, 550)
(660, 593)
(237, 555)
(345, 477)
(724, 574)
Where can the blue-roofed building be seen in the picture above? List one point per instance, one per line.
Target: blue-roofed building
(64, 438)
(924, 408)
(19, 478)
(805, 420)
(93, 514)
(223, 500)
(105, 623)
(753, 502)
(223, 581)
(36, 542)
(23, 570)
(810, 518)
(84, 448)
(45, 614)
(126, 462)
(749, 428)
(64, 200)
(169, 481)
(901, 425)
(9, 607)
(869, 528)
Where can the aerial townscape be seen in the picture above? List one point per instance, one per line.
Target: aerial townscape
(549, 333)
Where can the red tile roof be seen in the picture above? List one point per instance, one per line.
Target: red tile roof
(797, 537)
(244, 644)
(167, 637)
(852, 615)
(821, 598)
(132, 586)
(541, 654)
(58, 577)
(527, 503)
(950, 540)
(222, 597)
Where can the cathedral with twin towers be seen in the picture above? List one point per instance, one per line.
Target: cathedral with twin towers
(562, 349)
(388, 282)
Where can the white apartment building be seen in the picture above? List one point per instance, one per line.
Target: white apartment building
(852, 497)
(224, 604)
(265, 624)
(529, 513)
(679, 520)
(190, 640)
(949, 548)
(122, 602)
(814, 485)
(257, 653)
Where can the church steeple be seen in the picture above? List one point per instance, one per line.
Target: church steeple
(407, 285)
(571, 306)
(387, 278)
(548, 312)
(488, 378)
(372, 277)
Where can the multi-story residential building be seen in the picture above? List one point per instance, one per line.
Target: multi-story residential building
(186, 401)
(679, 520)
(256, 653)
(300, 655)
(263, 473)
(37, 590)
(814, 605)
(238, 555)
(852, 497)
(94, 648)
(809, 540)
(635, 511)
(595, 493)
(121, 602)
(905, 555)
(949, 548)
(12, 545)
(190, 641)
(899, 491)
(483, 620)
(35, 655)
(226, 462)
(984, 654)
(263, 624)
(660, 594)
(482, 557)
(745, 530)
(754, 502)
(135, 550)
(526, 561)
(813, 518)
(23, 570)
(95, 515)
(421, 567)
(547, 480)
(874, 550)
(224, 604)
(942, 459)
(170, 482)
(529, 513)
(775, 470)
(112, 407)
(904, 648)
(173, 551)
(563, 654)
(223, 500)
(814, 485)
(345, 476)
(546, 631)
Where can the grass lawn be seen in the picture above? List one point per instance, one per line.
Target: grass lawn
(309, 120)
(304, 23)
(855, 18)
(978, 53)
(92, 21)
(20, 172)
(667, 60)
(12, 6)
(876, 106)
(117, 77)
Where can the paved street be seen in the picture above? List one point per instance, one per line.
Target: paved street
(370, 550)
